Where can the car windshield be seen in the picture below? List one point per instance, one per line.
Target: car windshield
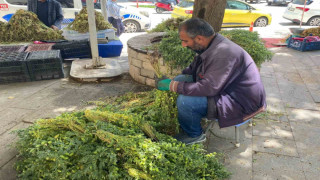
(301, 2)
(185, 4)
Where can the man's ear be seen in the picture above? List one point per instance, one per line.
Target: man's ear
(199, 39)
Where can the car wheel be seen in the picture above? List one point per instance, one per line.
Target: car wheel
(159, 10)
(314, 21)
(131, 26)
(261, 22)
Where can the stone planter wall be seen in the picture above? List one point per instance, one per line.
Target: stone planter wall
(140, 67)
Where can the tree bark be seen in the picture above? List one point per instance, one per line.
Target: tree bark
(210, 10)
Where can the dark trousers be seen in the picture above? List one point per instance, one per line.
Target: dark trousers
(191, 109)
(117, 23)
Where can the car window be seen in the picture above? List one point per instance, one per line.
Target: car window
(17, 2)
(136, 1)
(301, 2)
(97, 5)
(185, 4)
(167, 1)
(66, 3)
(237, 5)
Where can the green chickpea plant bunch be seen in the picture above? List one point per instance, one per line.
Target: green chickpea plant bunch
(110, 142)
(24, 26)
(81, 23)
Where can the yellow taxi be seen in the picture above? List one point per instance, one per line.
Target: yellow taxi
(237, 13)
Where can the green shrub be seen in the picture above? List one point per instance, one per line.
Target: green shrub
(250, 42)
(110, 143)
(178, 57)
(173, 53)
(171, 24)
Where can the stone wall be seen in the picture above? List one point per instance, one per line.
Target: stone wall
(140, 67)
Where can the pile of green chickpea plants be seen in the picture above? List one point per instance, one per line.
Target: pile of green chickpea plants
(125, 137)
(81, 23)
(24, 26)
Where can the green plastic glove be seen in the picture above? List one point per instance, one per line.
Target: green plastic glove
(163, 85)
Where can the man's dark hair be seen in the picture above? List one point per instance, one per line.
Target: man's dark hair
(195, 26)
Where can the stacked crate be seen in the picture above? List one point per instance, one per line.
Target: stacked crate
(303, 43)
(74, 49)
(18, 48)
(44, 65)
(13, 67)
(39, 47)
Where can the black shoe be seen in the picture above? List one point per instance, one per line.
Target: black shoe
(183, 137)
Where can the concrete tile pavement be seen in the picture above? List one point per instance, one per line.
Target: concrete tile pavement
(285, 143)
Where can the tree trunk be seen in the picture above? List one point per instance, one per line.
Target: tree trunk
(210, 10)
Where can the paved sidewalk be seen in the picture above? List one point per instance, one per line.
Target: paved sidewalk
(283, 145)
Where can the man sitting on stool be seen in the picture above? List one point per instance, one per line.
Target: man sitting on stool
(222, 82)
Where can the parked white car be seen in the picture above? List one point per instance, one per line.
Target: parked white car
(134, 20)
(311, 16)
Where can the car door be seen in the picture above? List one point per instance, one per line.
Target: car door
(69, 7)
(183, 9)
(237, 14)
(9, 7)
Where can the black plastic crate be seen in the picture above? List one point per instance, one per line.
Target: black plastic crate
(39, 47)
(14, 77)
(44, 65)
(13, 67)
(17, 48)
(74, 49)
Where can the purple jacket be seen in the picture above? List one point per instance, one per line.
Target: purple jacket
(229, 78)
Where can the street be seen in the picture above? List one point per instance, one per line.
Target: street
(279, 27)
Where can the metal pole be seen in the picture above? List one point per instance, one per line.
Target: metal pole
(93, 34)
(104, 10)
(304, 7)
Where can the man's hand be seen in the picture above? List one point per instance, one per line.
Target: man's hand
(163, 83)
(54, 27)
